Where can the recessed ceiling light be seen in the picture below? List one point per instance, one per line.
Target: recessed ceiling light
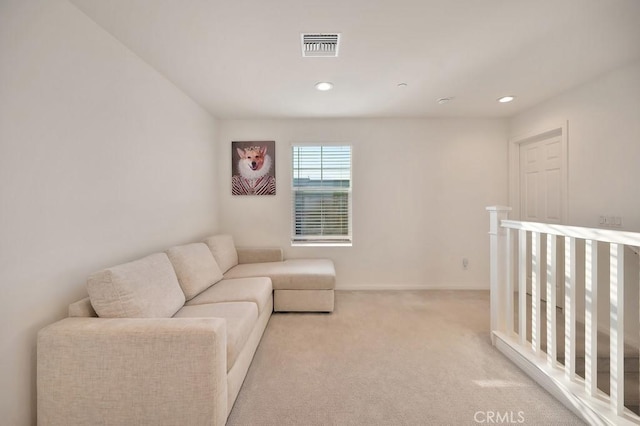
(506, 99)
(444, 100)
(323, 86)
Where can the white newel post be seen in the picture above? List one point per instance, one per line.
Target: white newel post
(498, 268)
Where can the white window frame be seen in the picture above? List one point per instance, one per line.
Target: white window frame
(323, 240)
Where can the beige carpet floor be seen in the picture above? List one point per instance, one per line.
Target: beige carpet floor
(390, 358)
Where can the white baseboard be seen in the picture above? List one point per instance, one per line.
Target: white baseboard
(593, 410)
(387, 286)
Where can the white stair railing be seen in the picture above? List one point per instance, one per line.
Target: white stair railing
(582, 396)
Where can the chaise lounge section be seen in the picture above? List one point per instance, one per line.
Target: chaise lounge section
(300, 285)
(168, 339)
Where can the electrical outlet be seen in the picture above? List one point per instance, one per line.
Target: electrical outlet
(465, 263)
(610, 221)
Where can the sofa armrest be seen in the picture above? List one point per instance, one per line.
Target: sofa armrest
(259, 254)
(160, 371)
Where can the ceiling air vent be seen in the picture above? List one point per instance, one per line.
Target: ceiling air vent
(320, 45)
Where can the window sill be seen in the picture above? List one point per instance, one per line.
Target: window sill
(320, 244)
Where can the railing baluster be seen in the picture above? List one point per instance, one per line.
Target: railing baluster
(591, 317)
(551, 300)
(522, 286)
(535, 292)
(570, 307)
(616, 272)
(509, 278)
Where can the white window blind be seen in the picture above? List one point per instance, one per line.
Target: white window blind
(321, 194)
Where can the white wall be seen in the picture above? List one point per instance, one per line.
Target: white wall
(420, 188)
(604, 148)
(603, 119)
(102, 160)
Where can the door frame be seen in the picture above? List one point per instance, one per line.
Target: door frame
(514, 167)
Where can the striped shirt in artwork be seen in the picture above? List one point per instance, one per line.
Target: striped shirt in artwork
(266, 185)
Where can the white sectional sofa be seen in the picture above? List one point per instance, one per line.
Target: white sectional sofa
(168, 339)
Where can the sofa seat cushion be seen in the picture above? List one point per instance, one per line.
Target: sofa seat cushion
(195, 268)
(292, 274)
(224, 250)
(256, 289)
(145, 288)
(241, 318)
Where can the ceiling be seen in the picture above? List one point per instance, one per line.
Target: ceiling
(242, 58)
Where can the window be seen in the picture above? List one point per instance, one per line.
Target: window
(321, 186)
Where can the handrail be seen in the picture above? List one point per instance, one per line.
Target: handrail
(604, 235)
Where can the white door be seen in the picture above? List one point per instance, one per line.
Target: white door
(542, 195)
(541, 185)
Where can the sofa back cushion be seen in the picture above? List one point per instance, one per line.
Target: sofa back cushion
(144, 288)
(82, 308)
(224, 250)
(195, 267)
